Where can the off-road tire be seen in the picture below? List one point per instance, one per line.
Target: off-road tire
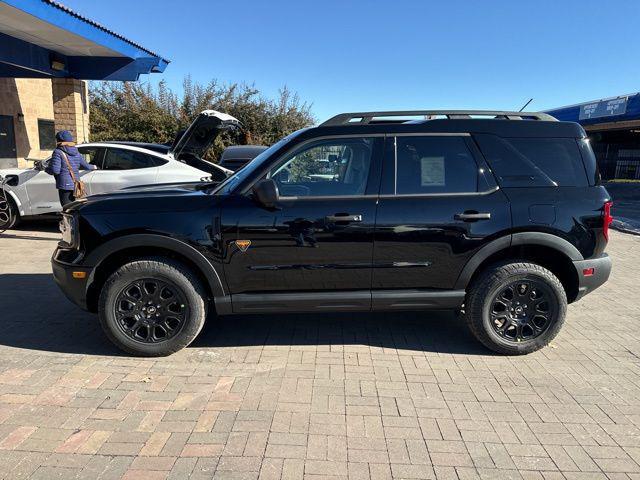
(164, 270)
(478, 305)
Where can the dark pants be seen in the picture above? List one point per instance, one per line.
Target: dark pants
(66, 196)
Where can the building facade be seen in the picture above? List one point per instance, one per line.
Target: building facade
(32, 110)
(613, 126)
(47, 52)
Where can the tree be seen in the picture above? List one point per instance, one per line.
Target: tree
(143, 113)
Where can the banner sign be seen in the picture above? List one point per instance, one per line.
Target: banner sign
(606, 108)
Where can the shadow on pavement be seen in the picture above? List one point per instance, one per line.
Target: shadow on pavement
(48, 225)
(35, 315)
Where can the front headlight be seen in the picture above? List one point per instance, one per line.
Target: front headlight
(69, 230)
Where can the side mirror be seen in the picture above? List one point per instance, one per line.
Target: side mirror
(38, 165)
(266, 193)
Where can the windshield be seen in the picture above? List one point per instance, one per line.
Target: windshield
(229, 184)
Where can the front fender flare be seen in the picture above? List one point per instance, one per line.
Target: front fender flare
(97, 256)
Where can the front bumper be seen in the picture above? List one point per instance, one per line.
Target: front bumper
(75, 289)
(588, 283)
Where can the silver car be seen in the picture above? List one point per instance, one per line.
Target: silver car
(32, 192)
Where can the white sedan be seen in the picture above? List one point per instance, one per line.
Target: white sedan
(33, 192)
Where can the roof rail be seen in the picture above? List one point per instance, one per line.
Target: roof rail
(364, 118)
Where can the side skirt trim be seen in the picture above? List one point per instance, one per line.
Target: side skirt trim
(417, 299)
(359, 300)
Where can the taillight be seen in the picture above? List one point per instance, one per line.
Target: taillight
(607, 219)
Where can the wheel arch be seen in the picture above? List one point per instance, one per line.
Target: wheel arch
(554, 253)
(14, 202)
(14, 198)
(113, 254)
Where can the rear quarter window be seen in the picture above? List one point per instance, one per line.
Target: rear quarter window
(534, 162)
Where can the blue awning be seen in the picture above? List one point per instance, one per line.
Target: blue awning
(607, 110)
(45, 39)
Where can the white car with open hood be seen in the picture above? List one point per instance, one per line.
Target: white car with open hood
(31, 192)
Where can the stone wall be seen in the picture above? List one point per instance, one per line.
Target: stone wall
(71, 107)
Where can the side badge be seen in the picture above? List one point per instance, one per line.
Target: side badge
(243, 245)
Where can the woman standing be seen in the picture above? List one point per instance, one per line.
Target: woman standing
(65, 164)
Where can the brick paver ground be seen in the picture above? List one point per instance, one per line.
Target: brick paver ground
(326, 396)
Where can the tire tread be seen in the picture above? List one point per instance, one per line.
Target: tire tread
(487, 280)
(151, 264)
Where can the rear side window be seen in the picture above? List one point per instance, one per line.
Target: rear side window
(534, 162)
(121, 159)
(433, 164)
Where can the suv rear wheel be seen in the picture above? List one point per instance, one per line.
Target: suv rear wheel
(152, 307)
(515, 307)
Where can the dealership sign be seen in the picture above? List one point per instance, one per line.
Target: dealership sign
(604, 108)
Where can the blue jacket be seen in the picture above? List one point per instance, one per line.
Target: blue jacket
(58, 167)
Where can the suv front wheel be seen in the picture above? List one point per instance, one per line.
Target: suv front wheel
(515, 307)
(152, 307)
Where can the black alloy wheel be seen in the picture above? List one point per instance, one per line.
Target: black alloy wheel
(515, 307)
(152, 306)
(523, 310)
(151, 310)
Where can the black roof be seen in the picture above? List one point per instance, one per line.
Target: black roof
(506, 124)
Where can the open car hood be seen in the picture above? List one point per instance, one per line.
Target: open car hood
(196, 139)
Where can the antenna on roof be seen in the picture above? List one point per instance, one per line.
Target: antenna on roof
(526, 104)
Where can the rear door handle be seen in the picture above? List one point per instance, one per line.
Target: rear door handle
(471, 216)
(344, 217)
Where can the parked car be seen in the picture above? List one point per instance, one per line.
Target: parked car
(120, 165)
(237, 156)
(497, 215)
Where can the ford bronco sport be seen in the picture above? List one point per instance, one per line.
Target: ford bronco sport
(497, 215)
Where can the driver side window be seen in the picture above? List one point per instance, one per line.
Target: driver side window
(92, 155)
(333, 167)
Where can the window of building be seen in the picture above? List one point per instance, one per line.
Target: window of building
(46, 134)
(433, 164)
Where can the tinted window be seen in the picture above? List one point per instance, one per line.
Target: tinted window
(92, 155)
(531, 162)
(590, 163)
(46, 134)
(117, 159)
(434, 165)
(330, 167)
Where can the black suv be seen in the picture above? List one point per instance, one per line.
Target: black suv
(497, 215)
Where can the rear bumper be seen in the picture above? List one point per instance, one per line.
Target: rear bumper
(588, 283)
(75, 289)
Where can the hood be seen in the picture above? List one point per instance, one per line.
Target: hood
(23, 174)
(196, 139)
(177, 188)
(13, 171)
(174, 196)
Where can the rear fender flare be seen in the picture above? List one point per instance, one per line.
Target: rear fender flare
(522, 238)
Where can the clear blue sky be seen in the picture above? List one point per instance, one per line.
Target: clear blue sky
(346, 55)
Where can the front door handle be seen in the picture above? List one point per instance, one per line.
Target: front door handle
(344, 217)
(472, 216)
